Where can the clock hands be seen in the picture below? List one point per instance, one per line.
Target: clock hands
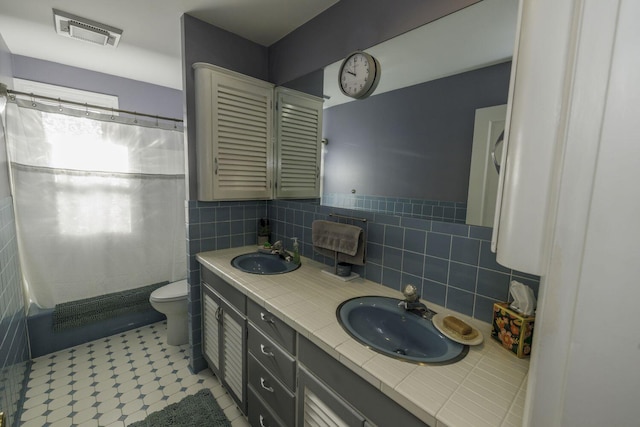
(356, 77)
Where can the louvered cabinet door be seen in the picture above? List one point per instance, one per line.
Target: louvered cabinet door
(224, 343)
(319, 406)
(234, 135)
(298, 144)
(210, 330)
(234, 355)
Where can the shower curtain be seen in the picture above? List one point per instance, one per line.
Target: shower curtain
(99, 203)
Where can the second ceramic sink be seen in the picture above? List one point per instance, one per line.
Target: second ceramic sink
(380, 324)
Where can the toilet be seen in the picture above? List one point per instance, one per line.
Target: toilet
(171, 300)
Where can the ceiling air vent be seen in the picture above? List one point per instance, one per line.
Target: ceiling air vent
(73, 26)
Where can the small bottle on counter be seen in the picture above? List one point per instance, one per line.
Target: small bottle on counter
(296, 250)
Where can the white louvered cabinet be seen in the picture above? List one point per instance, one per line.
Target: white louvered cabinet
(298, 144)
(224, 335)
(244, 150)
(234, 135)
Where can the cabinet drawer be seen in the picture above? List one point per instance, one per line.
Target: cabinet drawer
(273, 327)
(260, 414)
(228, 292)
(272, 392)
(272, 357)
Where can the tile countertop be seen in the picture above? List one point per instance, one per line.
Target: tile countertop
(485, 389)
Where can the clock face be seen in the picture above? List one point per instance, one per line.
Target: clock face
(359, 75)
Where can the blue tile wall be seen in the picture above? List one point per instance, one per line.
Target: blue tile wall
(212, 226)
(419, 208)
(451, 263)
(14, 346)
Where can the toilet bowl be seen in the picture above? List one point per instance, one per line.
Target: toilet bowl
(171, 300)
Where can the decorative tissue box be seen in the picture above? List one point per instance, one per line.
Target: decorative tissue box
(512, 329)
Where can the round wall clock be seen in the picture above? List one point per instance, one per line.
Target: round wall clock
(359, 75)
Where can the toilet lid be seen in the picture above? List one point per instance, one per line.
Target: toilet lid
(172, 291)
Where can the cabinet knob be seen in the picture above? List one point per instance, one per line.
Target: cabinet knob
(265, 386)
(265, 350)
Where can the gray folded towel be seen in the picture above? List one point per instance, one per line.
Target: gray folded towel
(347, 240)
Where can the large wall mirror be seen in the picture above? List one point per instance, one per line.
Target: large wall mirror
(407, 149)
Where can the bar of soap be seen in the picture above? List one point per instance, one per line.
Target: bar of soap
(457, 325)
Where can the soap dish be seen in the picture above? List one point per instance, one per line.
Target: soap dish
(438, 323)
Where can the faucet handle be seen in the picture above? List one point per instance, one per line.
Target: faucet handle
(410, 293)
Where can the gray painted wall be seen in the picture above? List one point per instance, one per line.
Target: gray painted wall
(413, 142)
(347, 26)
(133, 95)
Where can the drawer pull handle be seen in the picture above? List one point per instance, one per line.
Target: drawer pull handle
(262, 424)
(264, 386)
(266, 319)
(265, 351)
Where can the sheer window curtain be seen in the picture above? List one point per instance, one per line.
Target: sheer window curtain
(99, 204)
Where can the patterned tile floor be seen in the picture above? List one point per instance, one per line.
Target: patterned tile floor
(115, 381)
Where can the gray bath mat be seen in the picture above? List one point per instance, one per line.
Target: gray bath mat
(200, 409)
(82, 312)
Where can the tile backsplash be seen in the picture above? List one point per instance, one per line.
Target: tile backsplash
(212, 226)
(452, 264)
(14, 346)
(417, 208)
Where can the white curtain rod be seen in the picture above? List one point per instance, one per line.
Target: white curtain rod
(13, 93)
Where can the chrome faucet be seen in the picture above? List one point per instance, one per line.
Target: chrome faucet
(412, 303)
(278, 249)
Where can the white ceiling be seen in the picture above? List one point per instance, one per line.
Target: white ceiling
(150, 46)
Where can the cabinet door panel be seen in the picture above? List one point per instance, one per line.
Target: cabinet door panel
(233, 334)
(210, 330)
(234, 125)
(299, 133)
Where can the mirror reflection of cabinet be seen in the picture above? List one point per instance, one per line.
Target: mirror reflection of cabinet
(235, 129)
(484, 173)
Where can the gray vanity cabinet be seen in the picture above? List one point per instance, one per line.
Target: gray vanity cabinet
(279, 378)
(223, 334)
(271, 369)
